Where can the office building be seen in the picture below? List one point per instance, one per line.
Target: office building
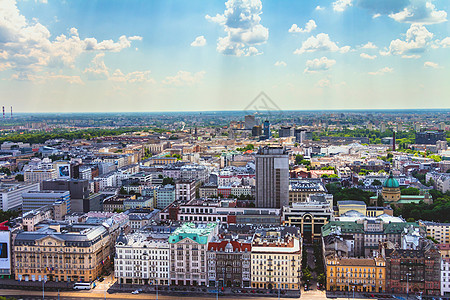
(165, 196)
(272, 177)
(188, 253)
(185, 190)
(266, 130)
(429, 137)
(286, 131)
(77, 253)
(249, 121)
(78, 189)
(39, 175)
(34, 200)
(11, 194)
(142, 258)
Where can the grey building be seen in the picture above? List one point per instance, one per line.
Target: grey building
(79, 192)
(249, 122)
(286, 131)
(272, 177)
(34, 199)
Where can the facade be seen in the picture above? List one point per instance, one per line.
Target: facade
(229, 263)
(445, 276)
(391, 190)
(185, 190)
(272, 177)
(188, 253)
(72, 253)
(165, 196)
(301, 189)
(34, 200)
(208, 191)
(429, 137)
(78, 188)
(11, 194)
(309, 217)
(286, 131)
(439, 231)
(356, 274)
(39, 175)
(142, 258)
(139, 202)
(276, 259)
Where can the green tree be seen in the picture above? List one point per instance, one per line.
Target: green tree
(19, 177)
(376, 182)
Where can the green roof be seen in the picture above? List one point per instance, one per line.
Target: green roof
(196, 232)
(392, 228)
(391, 182)
(346, 227)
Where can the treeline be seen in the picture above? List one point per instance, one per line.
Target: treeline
(41, 137)
(375, 136)
(438, 211)
(340, 193)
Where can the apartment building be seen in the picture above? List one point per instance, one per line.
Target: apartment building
(438, 231)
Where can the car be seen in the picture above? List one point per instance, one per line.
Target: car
(135, 292)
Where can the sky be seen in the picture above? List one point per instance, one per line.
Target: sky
(167, 55)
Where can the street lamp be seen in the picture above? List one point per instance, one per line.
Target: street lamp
(407, 285)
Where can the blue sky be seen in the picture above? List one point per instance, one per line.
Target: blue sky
(168, 55)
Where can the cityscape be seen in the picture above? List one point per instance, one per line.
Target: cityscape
(168, 149)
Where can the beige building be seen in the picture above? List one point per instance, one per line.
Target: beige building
(57, 253)
(438, 231)
(39, 175)
(276, 259)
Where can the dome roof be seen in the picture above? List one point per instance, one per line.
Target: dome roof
(391, 182)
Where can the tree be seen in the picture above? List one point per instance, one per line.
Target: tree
(410, 191)
(123, 191)
(298, 159)
(168, 180)
(5, 170)
(376, 182)
(19, 177)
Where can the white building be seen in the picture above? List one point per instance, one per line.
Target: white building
(11, 194)
(142, 259)
(445, 276)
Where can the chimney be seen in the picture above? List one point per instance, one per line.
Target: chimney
(393, 141)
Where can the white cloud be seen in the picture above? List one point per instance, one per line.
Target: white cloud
(445, 43)
(430, 64)
(416, 41)
(341, 5)
(132, 77)
(420, 12)
(367, 56)
(184, 78)
(376, 16)
(369, 45)
(241, 21)
(324, 83)
(310, 26)
(97, 69)
(382, 71)
(320, 42)
(318, 7)
(46, 77)
(280, 63)
(30, 48)
(412, 56)
(199, 41)
(317, 64)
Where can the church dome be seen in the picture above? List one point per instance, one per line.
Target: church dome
(391, 182)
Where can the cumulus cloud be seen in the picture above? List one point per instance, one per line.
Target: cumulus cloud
(318, 7)
(445, 43)
(367, 56)
(319, 64)
(310, 26)
(416, 41)
(199, 41)
(341, 5)
(430, 64)
(369, 45)
(47, 77)
(280, 63)
(29, 46)
(412, 56)
(382, 71)
(420, 12)
(241, 21)
(324, 83)
(320, 42)
(184, 78)
(97, 69)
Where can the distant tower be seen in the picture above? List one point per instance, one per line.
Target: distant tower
(3, 112)
(11, 111)
(393, 141)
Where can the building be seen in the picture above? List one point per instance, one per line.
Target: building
(429, 137)
(34, 200)
(445, 276)
(438, 231)
(416, 265)
(142, 258)
(185, 190)
(229, 263)
(165, 196)
(266, 130)
(356, 274)
(188, 253)
(116, 203)
(300, 135)
(5, 251)
(208, 191)
(301, 189)
(285, 131)
(391, 190)
(39, 175)
(62, 253)
(11, 194)
(78, 188)
(276, 258)
(257, 130)
(272, 177)
(249, 121)
(138, 202)
(309, 217)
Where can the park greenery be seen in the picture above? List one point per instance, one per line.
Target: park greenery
(340, 193)
(438, 211)
(8, 215)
